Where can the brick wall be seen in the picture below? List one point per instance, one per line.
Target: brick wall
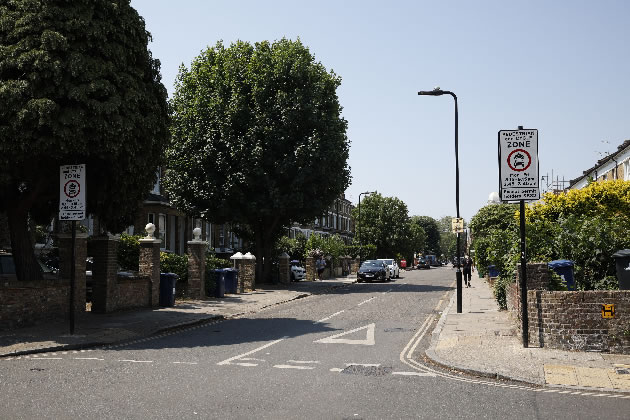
(311, 269)
(24, 303)
(573, 320)
(133, 292)
(246, 275)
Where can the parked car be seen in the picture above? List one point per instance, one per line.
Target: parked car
(7, 265)
(394, 270)
(423, 263)
(297, 271)
(433, 261)
(373, 270)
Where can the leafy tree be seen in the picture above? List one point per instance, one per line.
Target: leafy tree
(77, 85)
(432, 230)
(384, 222)
(494, 216)
(418, 238)
(258, 139)
(448, 239)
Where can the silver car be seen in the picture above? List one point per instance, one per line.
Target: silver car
(394, 270)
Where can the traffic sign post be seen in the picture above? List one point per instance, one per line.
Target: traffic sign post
(72, 207)
(518, 181)
(518, 165)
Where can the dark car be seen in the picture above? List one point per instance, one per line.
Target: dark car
(422, 263)
(371, 270)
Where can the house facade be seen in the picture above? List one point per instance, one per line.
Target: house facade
(336, 220)
(614, 166)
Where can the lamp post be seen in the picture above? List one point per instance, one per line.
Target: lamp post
(458, 275)
(359, 223)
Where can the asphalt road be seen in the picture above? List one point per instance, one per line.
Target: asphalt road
(355, 353)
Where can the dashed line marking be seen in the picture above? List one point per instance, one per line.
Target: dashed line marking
(294, 367)
(328, 317)
(87, 358)
(412, 374)
(136, 361)
(366, 301)
(185, 363)
(303, 361)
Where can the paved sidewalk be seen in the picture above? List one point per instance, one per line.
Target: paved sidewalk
(99, 329)
(484, 340)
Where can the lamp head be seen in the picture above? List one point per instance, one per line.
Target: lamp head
(435, 92)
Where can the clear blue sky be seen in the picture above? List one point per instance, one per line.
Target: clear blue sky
(562, 67)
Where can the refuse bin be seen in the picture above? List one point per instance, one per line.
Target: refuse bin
(622, 262)
(492, 271)
(231, 280)
(564, 268)
(167, 288)
(219, 282)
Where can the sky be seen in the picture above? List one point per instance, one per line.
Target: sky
(557, 66)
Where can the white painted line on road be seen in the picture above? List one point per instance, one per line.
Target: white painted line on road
(366, 301)
(328, 317)
(413, 374)
(87, 358)
(368, 341)
(227, 361)
(302, 361)
(252, 359)
(336, 370)
(364, 364)
(293, 367)
(185, 363)
(245, 364)
(136, 361)
(50, 358)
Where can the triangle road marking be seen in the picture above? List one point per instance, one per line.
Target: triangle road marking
(368, 341)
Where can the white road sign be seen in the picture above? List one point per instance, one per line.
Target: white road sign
(518, 165)
(457, 225)
(72, 192)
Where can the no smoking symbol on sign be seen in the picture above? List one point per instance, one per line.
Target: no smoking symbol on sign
(72, 188)
(519, 160)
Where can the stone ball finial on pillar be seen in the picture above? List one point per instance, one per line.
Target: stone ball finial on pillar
(150, 228)
(197, 234)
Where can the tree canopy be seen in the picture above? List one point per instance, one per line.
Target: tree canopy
(384, 222)
(77, 85)
(258, 138)
(432, 230)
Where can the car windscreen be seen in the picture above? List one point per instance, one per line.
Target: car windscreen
(388, 262)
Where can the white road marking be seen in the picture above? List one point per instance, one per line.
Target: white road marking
(87, 358)
(302, 361)
(252, 359)
(368, 341)
(412, 374)
(328, 317)
(336, 370)
(136, 361)
(245, 364)
(364, 364)
(227, 361)
(50, 358)
(293, 367)
(185, 363)
(366, 301)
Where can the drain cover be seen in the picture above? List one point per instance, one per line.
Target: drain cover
(367, 370)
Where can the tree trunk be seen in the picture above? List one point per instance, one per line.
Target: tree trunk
(259, 254)
(26, 266)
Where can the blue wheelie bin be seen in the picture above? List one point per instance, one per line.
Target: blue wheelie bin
(231, 280)
(622, 264)
(492, 271)
(564, 268)
(219, 281)
(167, 288)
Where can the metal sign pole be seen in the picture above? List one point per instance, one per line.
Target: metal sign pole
(524, 317)
(72, 275)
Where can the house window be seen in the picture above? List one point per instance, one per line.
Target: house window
(626, 170)
(162, 230)
(222, 236)
(151, 218)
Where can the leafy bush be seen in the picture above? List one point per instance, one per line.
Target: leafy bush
(173, 263)
(129, 251)
(500, 288)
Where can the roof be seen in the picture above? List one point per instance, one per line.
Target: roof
(620, 149)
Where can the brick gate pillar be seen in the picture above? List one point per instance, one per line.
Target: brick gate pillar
(65, 264)
(149, 264)
(285, 269)
(311, 270)
(246, 266)
(104, 250)
(197, 266)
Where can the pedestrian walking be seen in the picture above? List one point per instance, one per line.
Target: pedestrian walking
(321, 265)
(468, 269)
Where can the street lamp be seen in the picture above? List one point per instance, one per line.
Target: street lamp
(359, 223)
(458, 275)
